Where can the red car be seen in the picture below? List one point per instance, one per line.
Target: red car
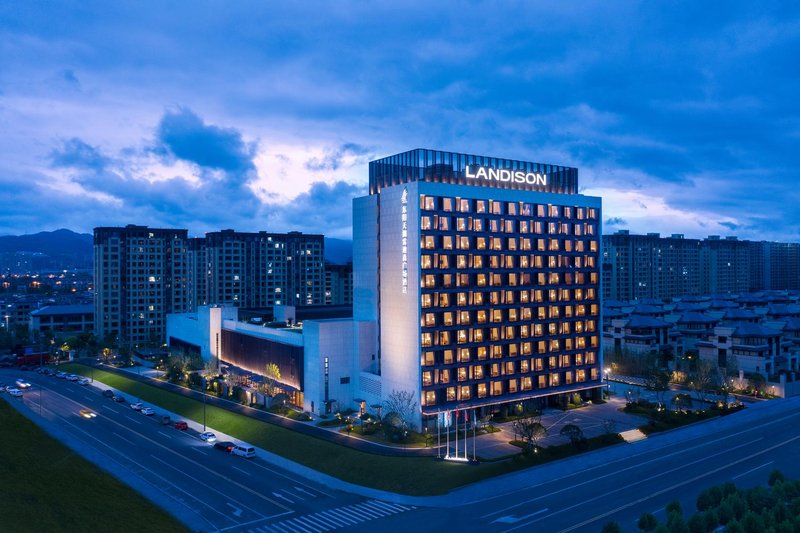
(180, 424)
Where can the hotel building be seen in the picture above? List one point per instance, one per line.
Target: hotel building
(483, 277)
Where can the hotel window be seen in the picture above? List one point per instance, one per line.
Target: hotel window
(580, 376)
(425, 223)
(477, 261)
(447, 204)
(568, 378)
(465, 392)
(480, 243)
(447, 318)
(496, 243)
(497, 388)
(524, 366)
(554, 380)
(427, 339)
(495, 207)
(447, 242)
(538, 364)
(463, 317)
(481, 353)
(429, 202)
(461, 224)
(538, 262)
(509, 332)
(512, 315)
(497, 351)
(444, 375)
(527, 383)
(481, 280)
(425, 261)
(444, 299)
(542, 382)
(508, 297)
(463, 242)
(429, 320)
(451, 394)
(512, 386)
(523, 263)
(462, 374)
(444, 261)
(512, 243)
(477, 224)
(427, 359)
(554, 211)
(477, 335)
(579, 211)
(508, 226)
(462, 298)
(565, 360)
(540, 211)
(461, 261)
(595, 374)
(477, 298)
(481, 316)
(428, 242)
(480, 206)
(444, 223)
(461, 336)
(429, 281)
(481, 390)
(430, 397)
(444, 338)
(494, 226)
(463, 205)
(508, 369)
(523, 226)
(590, 358)
(527, 348)
(477, 372)
(427, 378)
(448, 357)
(512, 208)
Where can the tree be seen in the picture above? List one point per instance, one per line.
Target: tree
(210, 369)
(404, 404)
(531, 430)
(758, 383)
(272, 373)
(702, 378)
(574, 433)
(647, 522)
(611, 527)
(657, 380)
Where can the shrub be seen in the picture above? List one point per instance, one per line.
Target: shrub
(697, 523)
(674, 507)
(775, 476)
(611, 527)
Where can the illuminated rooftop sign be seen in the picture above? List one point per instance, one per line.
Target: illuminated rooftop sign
(505, 175)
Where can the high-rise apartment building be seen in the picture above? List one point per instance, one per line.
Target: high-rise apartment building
(483, 275)
(651, 266)
(259, 269)
(141, 274)
(338, 284)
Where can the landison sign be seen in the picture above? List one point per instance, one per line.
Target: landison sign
(504, 175)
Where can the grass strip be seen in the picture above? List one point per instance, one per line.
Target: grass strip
(47, 487)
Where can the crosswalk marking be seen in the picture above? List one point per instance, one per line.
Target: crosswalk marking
(338, 518)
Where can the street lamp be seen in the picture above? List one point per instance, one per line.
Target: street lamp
(605, 371)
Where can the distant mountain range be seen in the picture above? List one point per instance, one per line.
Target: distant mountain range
(65, 249)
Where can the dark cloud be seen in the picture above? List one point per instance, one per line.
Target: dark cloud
(730, 225)
(69, 76)
(325, 208)
(615, 221)
(332, 159)
(75, 153)
(183, 134)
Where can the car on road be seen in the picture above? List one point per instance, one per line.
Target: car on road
(15, 393)
(108, 393)
(87, 413)
(243, 450)
(72, 377)
(83, 381)
(224, 445)
(147, 411)
(208, 437)
(61, 375)
(182, 425)
(118, 399)
(22, 384)
(137, 406)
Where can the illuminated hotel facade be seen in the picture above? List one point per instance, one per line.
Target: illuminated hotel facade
(482, 276)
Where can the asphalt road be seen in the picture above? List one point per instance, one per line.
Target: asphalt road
(210, 489)
(585, 498)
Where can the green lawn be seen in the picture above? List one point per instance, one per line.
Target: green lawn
(419, 476)
(44, 486)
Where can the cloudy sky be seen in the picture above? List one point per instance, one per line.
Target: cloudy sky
(683, 116)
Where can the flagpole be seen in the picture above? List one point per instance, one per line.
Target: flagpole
(438, 436)
(456, 454)
(474, 424)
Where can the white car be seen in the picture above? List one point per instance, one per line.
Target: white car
(208, 437)
(83, 381)
(137, 406)
(72, 377)
(15, 393)
(147, 411)
(244, 450)
(22, 384)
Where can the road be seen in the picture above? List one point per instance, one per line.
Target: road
(208, 489)
(226, 493)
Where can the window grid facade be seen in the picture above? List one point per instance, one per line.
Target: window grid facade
(509, 299)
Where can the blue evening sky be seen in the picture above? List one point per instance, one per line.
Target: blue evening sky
(683, 116)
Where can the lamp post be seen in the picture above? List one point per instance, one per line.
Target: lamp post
(608, 386)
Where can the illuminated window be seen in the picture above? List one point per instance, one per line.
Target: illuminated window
(463, 205)
(477, 261)
(451, 394)
(497, 388)
(444, 261)
(462, 374)
(554, 380)
(427, 359)
(447, 204)
(427, 378)
(444, 338)
(580, 376)
(539, 364)
(430, 397)
(527, 383)
(481, 352)
(429, 319)
(481, 390)
(477, 224)
(447, 242)
(568, 378)
(444, 375)
(524, 366)
(429, 202)
(480, 206)
(425, 223)
(448, 357)
(512, 386)
(509, 368)
(444, 223)
(425, 261)
(427, 339)
(465, 392)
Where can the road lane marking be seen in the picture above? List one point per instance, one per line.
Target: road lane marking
(256, 464)
(282, 497)
(300, 489)
(133, 420)
(123, 438)
(236, 511)
(168, 436)
(751, 470)
(245, 472)
(627, 459)
(664, 490)
(510, 519)
(251, 522)
(198, 450)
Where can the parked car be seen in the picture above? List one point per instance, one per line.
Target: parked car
(147, 411)
(22, 384)
(118, 399)
(137, 406)
(225, 446)
(182, 425)
(72, 377)
(165, 420)
(243, 450)
(83, 381)
(15, 393)
(61, 375)
(208, 437)
(108, 393)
